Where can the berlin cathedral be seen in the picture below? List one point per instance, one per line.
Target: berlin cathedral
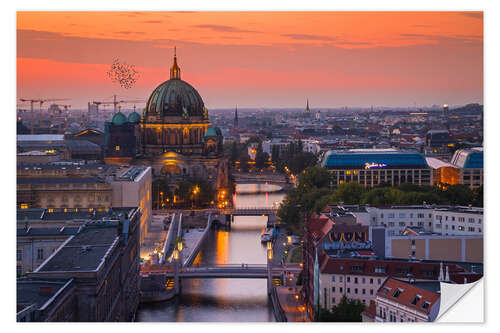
(173, 136)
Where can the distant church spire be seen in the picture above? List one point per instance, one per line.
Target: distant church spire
(236, 117)
(307, 107)
(175, 71)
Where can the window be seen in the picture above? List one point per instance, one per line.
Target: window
(333, 278)
(371, 291)
(24, 206)
(461, 219)
(402, 215)
(371, 280)
(439, 217)
(479, 221)
(333, 300)
(364, 291)
(341, 279)
(426, 305)
(356, 268)
(446, 218)
(402, 224)
(39, 254)
(340, 289)
(379, 281)
(416, 299)
(356, 291)
(348, 290)
(452, 227)
(461, 228)
(397, 293)
(420, 224)
(333, 289)
(364, 280)
(420, 215)
(391, 224)
(411, 215)
(390, 215)
(453, 218)
(472, 229)
(379, 269)
(471, 220)
(348, 279)
(356, 280)
(382, 215)
(117, 148)
(19, 255)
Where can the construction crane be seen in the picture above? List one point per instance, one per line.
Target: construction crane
(115, 102)
(41, 101)
(32, 101)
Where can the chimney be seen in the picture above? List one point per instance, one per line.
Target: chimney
(441, 274)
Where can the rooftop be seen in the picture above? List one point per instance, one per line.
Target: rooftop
(421, 296)
(33, 232)
(373, 158)
(83, 252)
(59, 180)
(40, 137)
(38, 291)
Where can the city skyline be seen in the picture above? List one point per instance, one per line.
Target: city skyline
(258, 59)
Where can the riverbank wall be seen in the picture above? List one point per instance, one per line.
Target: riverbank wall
(279, 314)
(196, 248)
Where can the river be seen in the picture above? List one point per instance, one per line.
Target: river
(225, 300)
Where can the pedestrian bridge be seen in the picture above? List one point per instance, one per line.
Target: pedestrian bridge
(250, 211)
(243, 271)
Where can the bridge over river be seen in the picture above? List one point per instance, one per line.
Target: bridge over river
(221, 271)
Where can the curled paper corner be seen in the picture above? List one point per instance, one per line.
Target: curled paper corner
(461, 303)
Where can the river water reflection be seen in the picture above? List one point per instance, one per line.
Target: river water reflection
(225, 300)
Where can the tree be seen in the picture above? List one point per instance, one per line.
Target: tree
(260, 157)
(234, 152)
(349, 193)
(244, 159)
(346, 311)
(313, 177)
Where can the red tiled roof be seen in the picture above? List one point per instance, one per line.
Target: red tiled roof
(362, 266)
(407, 295)
(371, 310)
(319, 227)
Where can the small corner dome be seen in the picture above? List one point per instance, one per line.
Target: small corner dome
(134, 117)
(119, 119)
(210, 132)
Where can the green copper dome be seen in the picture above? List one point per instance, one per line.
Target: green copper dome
(134, 117)
(175, 97)
(210, 132)
(119, 119)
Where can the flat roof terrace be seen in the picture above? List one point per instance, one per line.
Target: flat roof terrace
(83, 252)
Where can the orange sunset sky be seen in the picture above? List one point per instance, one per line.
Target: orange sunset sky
(257, 59)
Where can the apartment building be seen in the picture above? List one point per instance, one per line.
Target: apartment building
(400, 301)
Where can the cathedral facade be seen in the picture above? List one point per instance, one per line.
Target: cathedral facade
(173, 136)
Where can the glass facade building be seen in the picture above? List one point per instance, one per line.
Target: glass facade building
(375, 167)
